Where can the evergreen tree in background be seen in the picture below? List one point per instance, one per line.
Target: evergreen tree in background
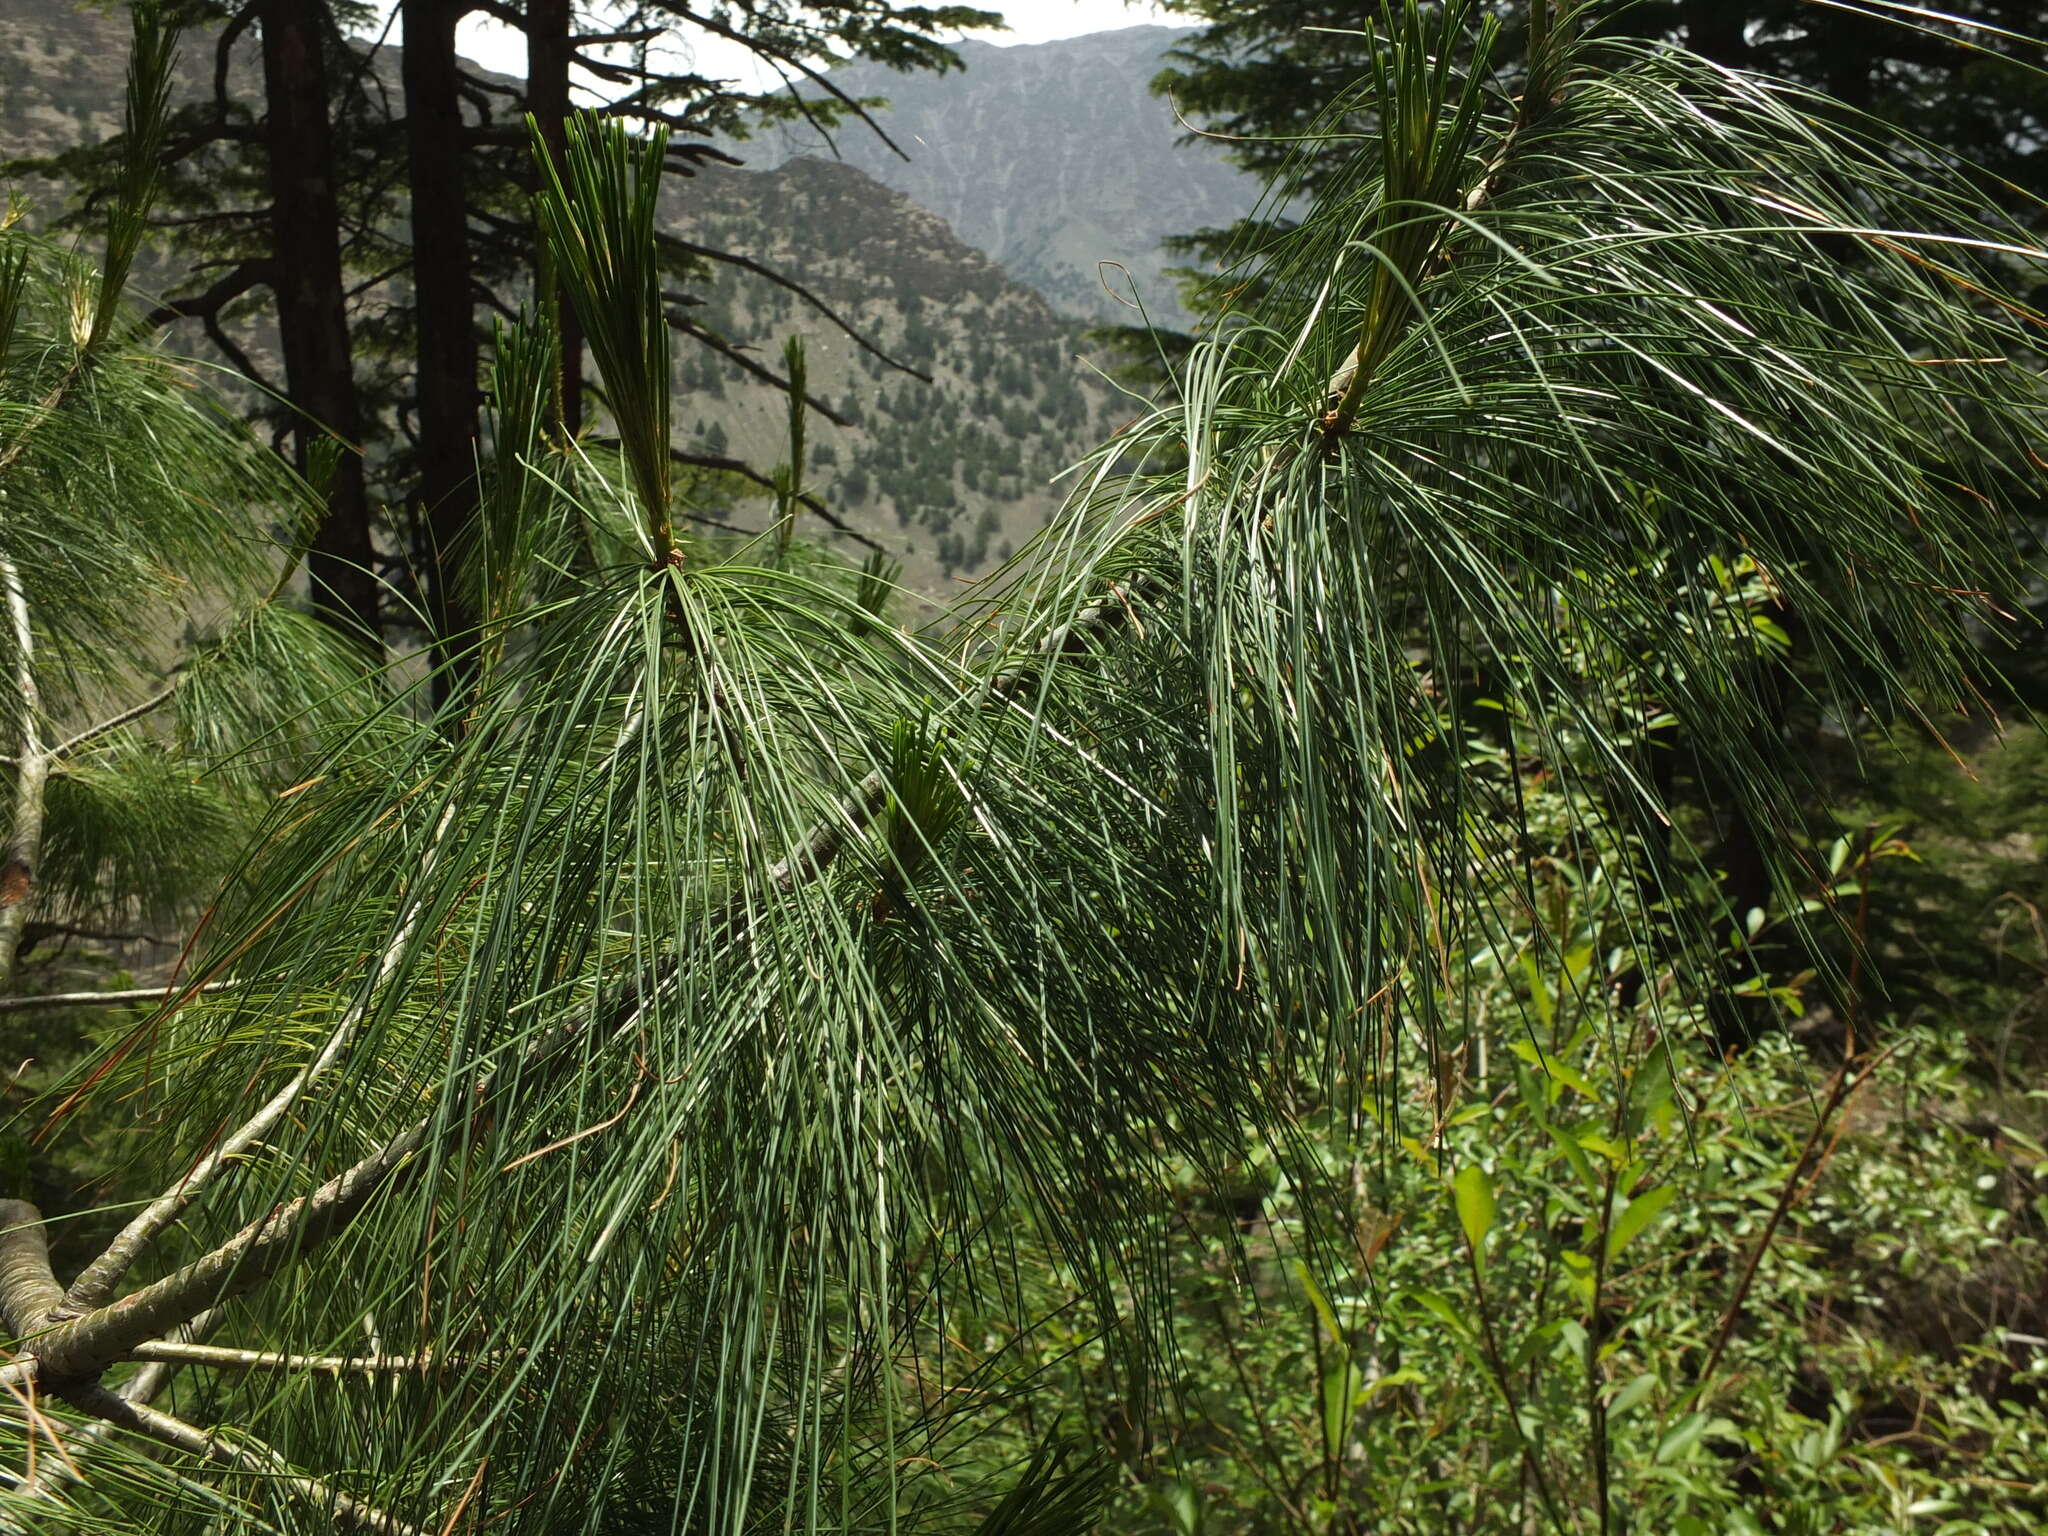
(1262, 73)
(291, 185)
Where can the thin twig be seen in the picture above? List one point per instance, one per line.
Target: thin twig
(1844, 1086)
(96, 1284)
(155, 701)
(108, 999)
(242, 1454)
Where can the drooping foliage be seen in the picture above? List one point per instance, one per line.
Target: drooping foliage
(640, 1063)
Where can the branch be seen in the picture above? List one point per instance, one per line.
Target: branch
(244, 1455)
(1542, 90)
(758, 45)
(492, 87)
(732, 354)
(107, 999)
(24, 845)
(503, 14)
(82, 1349)
(809, 502)
(614, 39)
(223, 54)
(243, 364)
(747, 264)
(33, 934)
(177, 1352)
(28, 1289)
(96, 1283)
(155, 701)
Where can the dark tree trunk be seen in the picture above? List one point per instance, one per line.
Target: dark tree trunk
(548, 29)
(312, 312)
(447, 361)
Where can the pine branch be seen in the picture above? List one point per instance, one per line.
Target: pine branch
(96, 1283)
(117, 999)
(243, 1454)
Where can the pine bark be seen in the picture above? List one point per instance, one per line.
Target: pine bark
(442, 295)
(312, 307)
(548, 33)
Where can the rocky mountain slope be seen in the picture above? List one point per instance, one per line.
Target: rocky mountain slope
(1054, 158)
(950, 476)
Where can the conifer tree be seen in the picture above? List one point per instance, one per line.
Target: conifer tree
(638, 1064)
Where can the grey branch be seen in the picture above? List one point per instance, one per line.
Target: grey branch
(28, 1290)
(109, 999)
(155, 701)
(243, 1454)
(24, 845)
(95, 1284)
(176, 1352)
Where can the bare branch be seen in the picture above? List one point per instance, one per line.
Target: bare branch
(177, 1352)
(243, 363)
(243, 1454)
(155, 701)
(757, 45)
(615, 39)
(809, 502)
(28, 1289)
(24, 844)
(735, 356)
(107, 999)
(223, 54)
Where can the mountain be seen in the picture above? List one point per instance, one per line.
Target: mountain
(1052, 157)
(949, 476)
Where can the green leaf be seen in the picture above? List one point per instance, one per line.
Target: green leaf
(1631, 1395)
(1576, 1156)
(1472, 1190)
(1539, 990)
(1681, 1438)
(1637, 1215)
(1324, 1311)
(1554, 1068)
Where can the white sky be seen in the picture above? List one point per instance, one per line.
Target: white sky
(499, 48)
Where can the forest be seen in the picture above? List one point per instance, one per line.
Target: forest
(1458, 944)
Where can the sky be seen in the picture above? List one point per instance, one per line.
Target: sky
(497, 47)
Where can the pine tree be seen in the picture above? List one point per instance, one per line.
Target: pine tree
(658, 1051)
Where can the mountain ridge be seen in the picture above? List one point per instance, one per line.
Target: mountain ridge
(1107, 180)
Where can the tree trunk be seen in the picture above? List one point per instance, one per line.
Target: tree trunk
(548, 30)
(312, 313)
(447, 360)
